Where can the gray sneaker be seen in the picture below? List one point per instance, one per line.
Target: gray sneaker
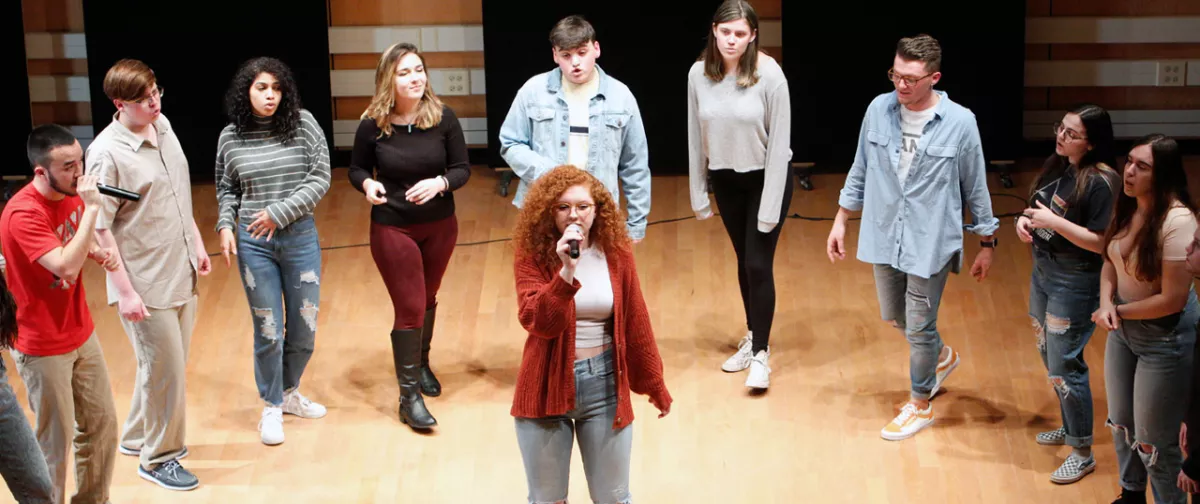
(1073, 469)
(1055, 437)
(170, 475)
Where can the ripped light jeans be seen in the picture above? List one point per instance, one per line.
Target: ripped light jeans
(285, 271)
(1148, 374)
(546, 442)
(1064, 291)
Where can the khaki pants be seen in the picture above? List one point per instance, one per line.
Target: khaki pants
(72, 400)
(157, 414)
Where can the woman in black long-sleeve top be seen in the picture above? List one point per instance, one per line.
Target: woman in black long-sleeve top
(414, 145)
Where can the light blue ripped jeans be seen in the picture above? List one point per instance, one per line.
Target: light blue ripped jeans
(911, 303)
(283, 271)
(1148, 377)
(546, 442)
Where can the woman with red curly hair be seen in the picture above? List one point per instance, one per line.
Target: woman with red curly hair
(590, 341)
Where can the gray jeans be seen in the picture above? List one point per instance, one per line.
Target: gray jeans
(911, 304)
(21, 461)
(546, 442)
(1148, 375)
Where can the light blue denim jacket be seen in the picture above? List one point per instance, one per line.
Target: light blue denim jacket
(534, 139)
(917, 226)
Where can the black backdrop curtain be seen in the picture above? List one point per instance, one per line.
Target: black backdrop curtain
(14, 59)
(649, 52)
(836, 56)
(194, 48)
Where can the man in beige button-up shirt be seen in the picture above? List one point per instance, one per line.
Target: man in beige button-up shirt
(162, 253)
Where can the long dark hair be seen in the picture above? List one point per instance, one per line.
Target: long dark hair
(1099, 161)
(239, 110)
(714, 63)
(8, 316)
(1168, 185)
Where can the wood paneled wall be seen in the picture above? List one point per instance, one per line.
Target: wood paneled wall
(1112, 52)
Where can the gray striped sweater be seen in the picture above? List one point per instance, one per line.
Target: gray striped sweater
(260, 172)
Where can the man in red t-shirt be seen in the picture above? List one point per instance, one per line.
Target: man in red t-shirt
(47, 233)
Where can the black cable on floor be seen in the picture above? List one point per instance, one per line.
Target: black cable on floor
(668, 221)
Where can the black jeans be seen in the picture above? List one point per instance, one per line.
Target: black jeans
(738, 196)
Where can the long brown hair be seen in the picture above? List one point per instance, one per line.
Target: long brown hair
(429, 111)
(535, 232)
(1097, 162)
(1168, 185)
(714, 64)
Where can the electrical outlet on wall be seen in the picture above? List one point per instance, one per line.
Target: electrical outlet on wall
(1171, 73)
(456, 82)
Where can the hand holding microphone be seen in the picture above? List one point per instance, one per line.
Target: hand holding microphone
(568, 249)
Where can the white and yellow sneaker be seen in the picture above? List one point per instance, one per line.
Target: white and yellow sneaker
(943, 370)
(908, 422)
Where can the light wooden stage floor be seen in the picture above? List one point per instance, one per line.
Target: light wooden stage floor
(839, 375)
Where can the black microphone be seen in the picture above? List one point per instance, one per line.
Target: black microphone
(574, 244)
(118, 193)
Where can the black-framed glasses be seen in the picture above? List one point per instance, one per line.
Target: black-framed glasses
(910, 81)
(1072, 135)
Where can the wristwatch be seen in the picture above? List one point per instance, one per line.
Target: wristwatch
(990, 244)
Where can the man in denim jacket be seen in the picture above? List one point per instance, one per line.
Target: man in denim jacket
(577, 114)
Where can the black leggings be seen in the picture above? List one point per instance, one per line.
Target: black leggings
(738, 195)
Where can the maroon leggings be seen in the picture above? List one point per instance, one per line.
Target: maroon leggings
(412, 260)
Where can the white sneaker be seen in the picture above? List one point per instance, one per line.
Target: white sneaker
(760, 372)
(908, 422)
(741, 359)
(271, 425)
(296, 404)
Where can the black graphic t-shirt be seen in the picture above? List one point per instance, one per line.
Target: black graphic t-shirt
(1092, 211)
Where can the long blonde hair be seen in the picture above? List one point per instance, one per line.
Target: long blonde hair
(429, 110)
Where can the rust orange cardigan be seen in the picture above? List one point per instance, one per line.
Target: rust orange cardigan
(546, 308)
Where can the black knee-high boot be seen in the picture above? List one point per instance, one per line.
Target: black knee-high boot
(406, 356)
(429, 383)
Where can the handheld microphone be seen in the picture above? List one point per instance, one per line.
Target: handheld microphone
(118, 193)
(574, 244)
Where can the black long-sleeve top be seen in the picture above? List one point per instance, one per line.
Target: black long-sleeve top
(406, 157)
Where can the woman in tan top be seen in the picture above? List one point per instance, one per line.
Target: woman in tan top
(1149, 307)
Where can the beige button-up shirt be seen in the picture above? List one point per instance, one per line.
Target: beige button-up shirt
(155, 235)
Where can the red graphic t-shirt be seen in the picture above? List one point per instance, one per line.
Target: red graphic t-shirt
(52, 313)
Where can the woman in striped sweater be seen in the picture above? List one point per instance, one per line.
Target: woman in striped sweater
(272, 170)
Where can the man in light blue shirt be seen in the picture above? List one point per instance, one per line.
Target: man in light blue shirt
(919, 159)
(576, 114)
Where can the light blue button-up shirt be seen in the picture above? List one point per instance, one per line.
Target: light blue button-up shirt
(535, 136)
(916, 225)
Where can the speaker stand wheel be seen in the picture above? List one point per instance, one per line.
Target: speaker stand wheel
(506, 176)
(1004, 166)
(802, 175)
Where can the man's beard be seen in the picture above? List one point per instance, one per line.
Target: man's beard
(54, 185)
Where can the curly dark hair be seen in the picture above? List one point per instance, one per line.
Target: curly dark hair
(8, 315)
(535, 232)
(237, 99)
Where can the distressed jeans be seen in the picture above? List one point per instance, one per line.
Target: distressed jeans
(1148, 374)
(546, 442)
(911, 303)
(284, 273)
(1063, 293)
(22, 463)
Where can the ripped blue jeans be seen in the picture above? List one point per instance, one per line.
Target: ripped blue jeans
(285, 271)
(1148, 374)
(1063, 294)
